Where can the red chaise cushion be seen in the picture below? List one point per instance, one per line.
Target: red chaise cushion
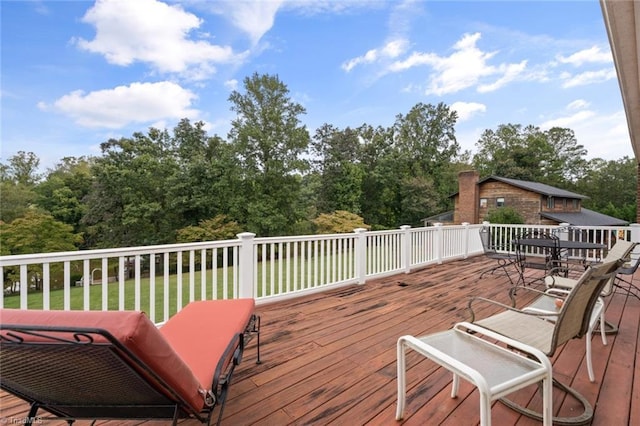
(202, 330)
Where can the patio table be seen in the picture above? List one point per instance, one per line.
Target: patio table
(548, 243)
(556, 246)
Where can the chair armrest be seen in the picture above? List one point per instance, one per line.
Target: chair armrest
(513, 290)
(555, 281)
(557, 292)
(507, 307)
(540, 356)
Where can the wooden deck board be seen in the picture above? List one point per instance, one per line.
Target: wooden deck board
(330, 358)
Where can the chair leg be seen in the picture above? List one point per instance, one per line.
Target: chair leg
(402, 386)
(582, 419)
(485, 410)
(603, 334)
(592, 377)
(502, 265)
(455, 385)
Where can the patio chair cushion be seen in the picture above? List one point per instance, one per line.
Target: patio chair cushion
(133, 330)
(212, 324)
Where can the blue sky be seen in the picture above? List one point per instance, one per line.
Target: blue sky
(77, 73)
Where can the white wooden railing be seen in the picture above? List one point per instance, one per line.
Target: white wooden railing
(161, 279)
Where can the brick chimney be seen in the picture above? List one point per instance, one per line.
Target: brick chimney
(468, 197)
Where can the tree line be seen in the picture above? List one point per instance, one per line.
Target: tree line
(271, 176)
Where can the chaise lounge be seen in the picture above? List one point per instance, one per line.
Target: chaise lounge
(118, 365)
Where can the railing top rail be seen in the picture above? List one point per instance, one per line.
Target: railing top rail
(286, 239)
(111, 252)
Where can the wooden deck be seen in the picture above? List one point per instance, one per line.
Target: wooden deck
(330, 358)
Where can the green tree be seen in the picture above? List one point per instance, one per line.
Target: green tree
(381, 183)
(553, 157)
(567, 161)
(38, 232)
(336, 159)
(611, 187)
(338, 222)
(504, 215)
(22, 168)
(512, 151)
(18, 178)
(269, 141)
(15, 200)
(130, 202)
(426, 148)
(214, 229)
(35, 232)
(207, 179)
(64, 189)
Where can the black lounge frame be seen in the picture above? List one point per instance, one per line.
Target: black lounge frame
(86, 373)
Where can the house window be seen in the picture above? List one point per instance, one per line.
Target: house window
(483, 202)
(575, 204)
(500, 202)
(551, 202)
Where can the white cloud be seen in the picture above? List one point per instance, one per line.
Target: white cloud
(123, 105)
(467, 110)
(155, 33)
(416, 59)
(588, 77)
(578, 104)
(570, 120)
(603, 135)
(40, 7)
(390, 50)
(255, 18)
(510, 72)
(591, 55)
(464, 68)
(231, 84)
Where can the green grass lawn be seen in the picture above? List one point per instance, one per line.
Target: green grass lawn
(302, 274)
(56, 297)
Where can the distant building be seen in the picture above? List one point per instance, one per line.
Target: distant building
(537, 203)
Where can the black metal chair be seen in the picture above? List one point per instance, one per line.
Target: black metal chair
(504, 257)
(541, 251)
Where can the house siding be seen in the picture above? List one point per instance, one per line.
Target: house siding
(529, 199)
(528, 204)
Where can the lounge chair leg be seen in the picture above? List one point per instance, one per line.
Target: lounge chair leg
(32, 414)
(257, 331)
(175, 416)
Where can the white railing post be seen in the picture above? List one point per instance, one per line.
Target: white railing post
(361, 255)
(563, 231)
(405, 249)
(438, 242)
(635, 232)
(635, 235)
(467, 235)
(246, 266)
